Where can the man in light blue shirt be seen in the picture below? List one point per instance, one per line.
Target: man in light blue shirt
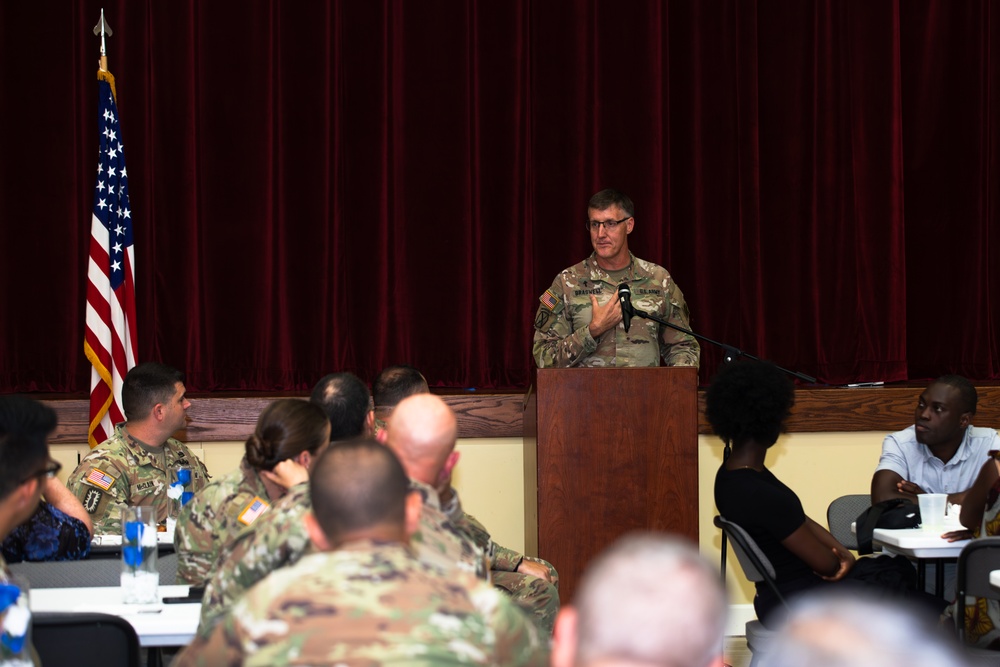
(942, 452)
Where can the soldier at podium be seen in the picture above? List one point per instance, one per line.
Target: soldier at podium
(579, 321)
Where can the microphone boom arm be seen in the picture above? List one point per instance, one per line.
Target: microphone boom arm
(730, 353)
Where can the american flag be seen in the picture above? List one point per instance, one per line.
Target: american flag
(253, 510)
(110, 338)
(101, 479)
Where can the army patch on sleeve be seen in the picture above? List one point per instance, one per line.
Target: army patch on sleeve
(100, 479)
(92, 500)
(252, 511)
(549, 300)
(542, 319)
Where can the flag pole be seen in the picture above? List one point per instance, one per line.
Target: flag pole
(104, 30)
(110, 340)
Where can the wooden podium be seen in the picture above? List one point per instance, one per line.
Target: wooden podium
(609, 450)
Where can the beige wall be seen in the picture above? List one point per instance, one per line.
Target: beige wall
(489, 478)
(817, 466)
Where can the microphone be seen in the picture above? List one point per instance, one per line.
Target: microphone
(625, 299)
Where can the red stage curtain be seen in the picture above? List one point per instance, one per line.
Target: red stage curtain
(345, 185)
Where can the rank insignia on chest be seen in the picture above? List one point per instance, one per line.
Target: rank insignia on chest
(252, 511)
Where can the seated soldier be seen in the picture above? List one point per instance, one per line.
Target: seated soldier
(133, 466)
(531, 582)
(288, 436)
(365, 598)
(424, 437)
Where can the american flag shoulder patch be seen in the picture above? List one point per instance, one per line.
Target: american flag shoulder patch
(100, 479)
(549, 300)
(252, 511)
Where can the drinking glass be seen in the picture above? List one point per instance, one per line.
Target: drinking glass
(140, 577)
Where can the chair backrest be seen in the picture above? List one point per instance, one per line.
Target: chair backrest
(167, 566)
(977, 560)
(842, 512)
(84, 639)
(756, 565)
(88, 572)
(71, 573)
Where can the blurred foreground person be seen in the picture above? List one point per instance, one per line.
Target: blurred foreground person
(648, 600)
(24, 466)
(835, 630)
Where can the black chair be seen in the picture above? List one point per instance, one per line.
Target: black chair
(977, 560)
(842, 512)
(757, 568)
(84, 640)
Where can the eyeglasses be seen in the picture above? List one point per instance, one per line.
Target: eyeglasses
(609, 225)
(50, 470)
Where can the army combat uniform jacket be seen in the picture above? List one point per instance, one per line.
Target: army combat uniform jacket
(562, 334)
(369, 603)
(536, 597)
(214, 517)
(279, 538)
(120, 473)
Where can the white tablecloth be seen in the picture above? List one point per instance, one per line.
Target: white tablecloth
(157, 624)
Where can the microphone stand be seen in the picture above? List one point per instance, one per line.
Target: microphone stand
(730, 354)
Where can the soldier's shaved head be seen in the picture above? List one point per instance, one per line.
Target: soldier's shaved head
(355, 486)
(422, 434)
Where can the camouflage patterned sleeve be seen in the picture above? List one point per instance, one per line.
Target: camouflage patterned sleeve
(501, 558)
(202, 478)
(476, 531)
(195, 541)
(277, 539)
(103, 489)
(505, 560)
(556, 343)
(221, 647)
(679, 349)
(518, 641)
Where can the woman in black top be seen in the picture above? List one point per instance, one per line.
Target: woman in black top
(747, 405)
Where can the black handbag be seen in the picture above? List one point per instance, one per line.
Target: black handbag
(893, 513)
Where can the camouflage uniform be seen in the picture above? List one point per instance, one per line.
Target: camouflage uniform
(214, 517)
(121, 472)
(369, 604)
(562, 337)
(535, 596)
(279, 538)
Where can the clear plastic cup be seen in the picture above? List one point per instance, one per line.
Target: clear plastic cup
(932, 507)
